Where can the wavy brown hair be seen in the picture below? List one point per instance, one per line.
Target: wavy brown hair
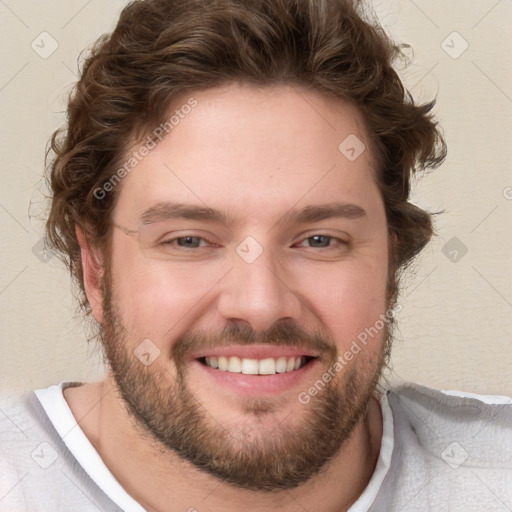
(161, 48)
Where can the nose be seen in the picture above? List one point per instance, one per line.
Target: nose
(259, 293)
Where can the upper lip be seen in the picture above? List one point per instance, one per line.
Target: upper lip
(255, 351)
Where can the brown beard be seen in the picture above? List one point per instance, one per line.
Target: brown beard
(249, 457)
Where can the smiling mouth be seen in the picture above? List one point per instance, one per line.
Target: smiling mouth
(246, 366)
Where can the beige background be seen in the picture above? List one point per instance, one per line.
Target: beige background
(456, 322)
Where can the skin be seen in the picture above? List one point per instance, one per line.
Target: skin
(254, 153)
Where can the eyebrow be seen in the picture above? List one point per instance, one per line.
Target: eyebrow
(172, 210)
(309, 214)
(316, 213)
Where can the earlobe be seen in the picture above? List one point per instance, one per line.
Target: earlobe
(92, 269)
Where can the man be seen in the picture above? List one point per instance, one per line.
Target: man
(231, 197)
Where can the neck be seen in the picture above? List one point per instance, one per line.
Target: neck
(161, 481)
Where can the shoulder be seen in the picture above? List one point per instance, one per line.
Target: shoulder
(450, 449)
(18, 421)
(427, 408)
(447, 422)
(24, 423)
(23, 452)
(38, 472)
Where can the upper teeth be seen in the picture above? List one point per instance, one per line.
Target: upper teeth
(268, 366)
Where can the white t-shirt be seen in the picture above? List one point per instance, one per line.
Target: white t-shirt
(439, 451)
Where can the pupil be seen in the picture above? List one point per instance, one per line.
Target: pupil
(317, 240)
(187, 240)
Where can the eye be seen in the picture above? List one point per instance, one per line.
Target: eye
(320, 241)
(187, 242)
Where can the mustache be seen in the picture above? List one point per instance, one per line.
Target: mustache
(285, 332)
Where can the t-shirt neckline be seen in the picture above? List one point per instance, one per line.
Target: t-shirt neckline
(58, 411)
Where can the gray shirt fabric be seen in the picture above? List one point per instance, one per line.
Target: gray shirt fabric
(450, 453)
(439, 452)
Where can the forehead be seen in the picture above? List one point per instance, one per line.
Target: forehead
(255, 151)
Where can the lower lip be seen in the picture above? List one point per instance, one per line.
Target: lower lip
(260, 384)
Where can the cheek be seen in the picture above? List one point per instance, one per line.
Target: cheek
(156, 296)
(350, 300)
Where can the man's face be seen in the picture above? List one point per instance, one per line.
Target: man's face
(257, 289)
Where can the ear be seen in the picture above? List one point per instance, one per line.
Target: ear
(93, 270)
(393, 241)
(394, 238)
